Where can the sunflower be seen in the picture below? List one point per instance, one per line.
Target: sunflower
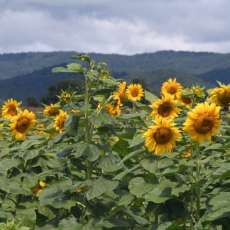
(39, 187)
(114, 108)
(22, 123)
(221, 95)
(165, 108)
(198, 91)
(60, 120)
(203, 121)
(135, 92)
(171, 87)
(161, 137)
(10, 108)
(65, 96)
(51, 110)
(121, 91)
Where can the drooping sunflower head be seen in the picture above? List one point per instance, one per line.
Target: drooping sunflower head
(171, 87)
(186, 97)
(221, 95)
(203, 122)
(161, 137)
(10, 108)
(59, 121)
(114, 108)
(22, 123)
(51, 110)
(165, 108)
(121, 91)
(135, 92)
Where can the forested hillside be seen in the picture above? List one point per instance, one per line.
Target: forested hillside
(29, 74)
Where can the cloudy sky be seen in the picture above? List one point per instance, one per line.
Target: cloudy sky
(114, 26)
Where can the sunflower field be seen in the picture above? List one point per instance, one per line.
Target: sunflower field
(117, 157)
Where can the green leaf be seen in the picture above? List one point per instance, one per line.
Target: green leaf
(220, 207)
(6, 164)
(150, 97)
(125, 200)
(138, 187)
(80, 149)
(110, 163)
(75, 67)
(55, 195)
(93, 152)
(161, 192)
(71, 125)
(149, 165)
(26, 216)
(100, 186)
(137, 140)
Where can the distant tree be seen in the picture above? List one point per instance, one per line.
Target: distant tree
(32, 102)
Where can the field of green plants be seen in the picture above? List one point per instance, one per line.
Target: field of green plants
(117, 157)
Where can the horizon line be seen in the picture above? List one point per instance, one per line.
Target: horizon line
(112, 53)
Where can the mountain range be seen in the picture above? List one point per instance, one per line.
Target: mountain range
(24, 75)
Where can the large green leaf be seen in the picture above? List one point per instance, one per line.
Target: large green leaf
(100, 186)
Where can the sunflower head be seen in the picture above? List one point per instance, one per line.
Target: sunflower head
(161, 137)
(221, 95)
(186, 97)
(165, 107)
(51, 110)
(121, 91)
(65, 96)
(203, 122)
(198, 91)
(114, 108)
(171, 87)
(10, 108)
(135, 92)
(59, 121)
(22, 123)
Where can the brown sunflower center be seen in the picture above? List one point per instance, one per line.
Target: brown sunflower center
(186, 100)
(224, 99)
(172, 90)
(54, 111)
(204, 124)
(165, 109)
(23, 124)
(12, 110)
(135, 92)
(163, 135)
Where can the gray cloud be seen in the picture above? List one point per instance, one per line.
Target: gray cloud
(114, 26)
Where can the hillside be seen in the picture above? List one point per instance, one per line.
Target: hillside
(29, 74)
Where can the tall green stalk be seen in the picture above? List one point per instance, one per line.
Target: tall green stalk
(197, 182)
(87, 125)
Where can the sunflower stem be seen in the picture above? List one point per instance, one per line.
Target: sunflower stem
(197, 182)
(87, 125)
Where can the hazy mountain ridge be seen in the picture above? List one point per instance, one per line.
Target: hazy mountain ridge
(29, 74)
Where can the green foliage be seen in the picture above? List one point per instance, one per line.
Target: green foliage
(98, 175)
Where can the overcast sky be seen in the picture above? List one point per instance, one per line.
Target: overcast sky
(114, 26)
